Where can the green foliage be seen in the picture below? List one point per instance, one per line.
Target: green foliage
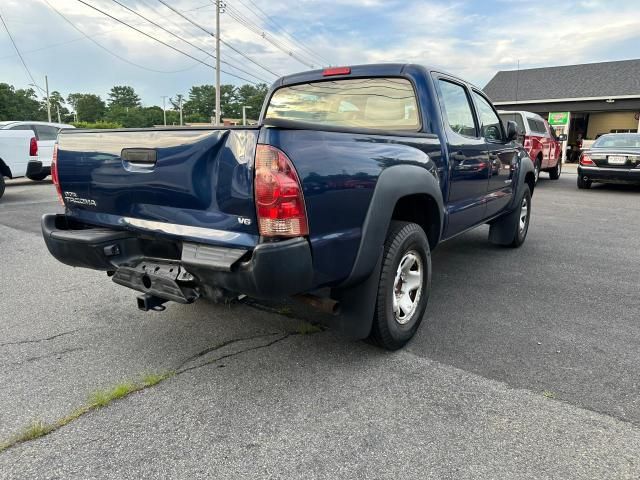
(124, 107)
(99, 125)
(102, 398)
(88, 107)
(20, 104)
(123, 96)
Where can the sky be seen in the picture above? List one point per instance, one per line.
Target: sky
(472, 39)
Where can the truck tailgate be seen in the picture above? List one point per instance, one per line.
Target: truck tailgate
(195, 184)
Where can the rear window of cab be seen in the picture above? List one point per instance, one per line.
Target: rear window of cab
(376, 103)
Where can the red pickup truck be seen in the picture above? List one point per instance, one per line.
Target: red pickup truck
(540, 141)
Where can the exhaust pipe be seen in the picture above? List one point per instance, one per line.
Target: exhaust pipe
(148, 302)
(323, 304)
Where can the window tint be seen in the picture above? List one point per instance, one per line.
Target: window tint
(457, 108)
(46, 132)
(379, 103)
(490, 123)
(513, 117)
(23, 126)
(536, 126)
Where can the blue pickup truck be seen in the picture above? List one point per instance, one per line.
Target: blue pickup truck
(353, 176)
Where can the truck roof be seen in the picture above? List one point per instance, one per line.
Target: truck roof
(365, 70)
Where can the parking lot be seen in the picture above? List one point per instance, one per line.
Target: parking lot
(526, 365)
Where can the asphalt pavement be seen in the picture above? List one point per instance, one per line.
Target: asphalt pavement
(526, 365)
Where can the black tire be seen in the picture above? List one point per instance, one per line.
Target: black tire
(38, 177)
(508, 231)
(583, 184)
(2, 185)
(537, 168)
(554, 173)
(405, 242)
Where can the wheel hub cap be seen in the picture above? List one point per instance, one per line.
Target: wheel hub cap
(524, 212)
(407, 287)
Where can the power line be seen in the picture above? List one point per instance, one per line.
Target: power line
(88, 37)
(24, 64)
(192, 22)
(160, 41)
(278, 26)
(184, 40)
(237, 16)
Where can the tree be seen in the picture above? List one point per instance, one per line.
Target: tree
(19, 104)
(123, 96)
(251, 96)
(57, 105)
(88, 107)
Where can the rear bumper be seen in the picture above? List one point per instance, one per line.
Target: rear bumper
(270, 270)
(601, 174)
(36, 168)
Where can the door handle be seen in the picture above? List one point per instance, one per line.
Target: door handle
(142, 157)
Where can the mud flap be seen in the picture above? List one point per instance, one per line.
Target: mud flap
(357, 305)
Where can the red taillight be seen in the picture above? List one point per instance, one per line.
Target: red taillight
(585, 159)
(33, 147)
(327, 72)
(54, 173)
(279, 199)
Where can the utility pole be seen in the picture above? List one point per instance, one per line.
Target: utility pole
(180, 103)
(46, 86)
(58, 109)
(164, 109)
(244, 114)
(217, 113)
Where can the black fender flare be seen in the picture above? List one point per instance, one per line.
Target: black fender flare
(393, 183)
(524, 166)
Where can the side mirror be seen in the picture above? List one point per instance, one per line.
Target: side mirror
(562, 137)
(512, 131)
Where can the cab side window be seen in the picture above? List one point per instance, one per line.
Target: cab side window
(457, 108)
(490, 122)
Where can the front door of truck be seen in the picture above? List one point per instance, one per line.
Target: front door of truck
(468, 157)
(501, 155)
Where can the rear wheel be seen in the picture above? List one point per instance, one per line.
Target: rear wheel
(554, 173)
(38, 177)
(1, 185)
(582, 183)
(405, 283)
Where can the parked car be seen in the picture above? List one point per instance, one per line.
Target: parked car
(613, 158)
(540, 141)
(46, 135)
(352, 177)
(17, 150)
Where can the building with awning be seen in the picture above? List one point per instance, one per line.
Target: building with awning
(583, 101)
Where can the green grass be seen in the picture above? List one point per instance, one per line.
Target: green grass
(549, 394)
(98, 399)
(306, 328)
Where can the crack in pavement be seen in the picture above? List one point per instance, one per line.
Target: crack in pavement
(48, 355)
(38, 340)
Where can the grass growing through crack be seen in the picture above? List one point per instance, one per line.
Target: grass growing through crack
(306, 328)
(98, 399)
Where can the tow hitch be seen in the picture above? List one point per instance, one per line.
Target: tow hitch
(160, 282)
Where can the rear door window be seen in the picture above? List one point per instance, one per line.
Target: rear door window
(457, 108)
(377, 103)
(46, 132)
(25, 126)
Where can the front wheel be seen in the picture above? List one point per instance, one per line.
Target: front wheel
(536, 170)
(1, 185)
(405, 283)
